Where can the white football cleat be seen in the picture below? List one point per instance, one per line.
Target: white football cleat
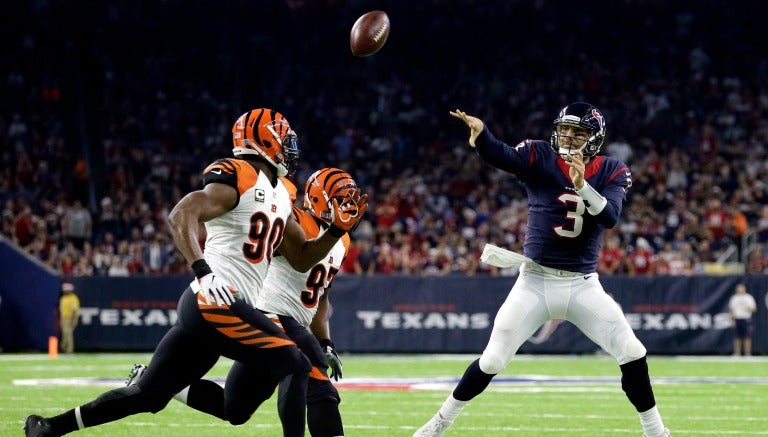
(136, 373)
(434, 428)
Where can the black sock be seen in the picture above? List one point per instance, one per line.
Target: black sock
(291, 404)
(110, 406)
(64, 423)
(637, 384)
(472, 383)
(324, 419)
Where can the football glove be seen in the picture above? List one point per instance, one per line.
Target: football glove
(348, 211)
(214, 289)
(334, 362)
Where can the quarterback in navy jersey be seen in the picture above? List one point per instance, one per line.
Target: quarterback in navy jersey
(561, 233)
(573, 196)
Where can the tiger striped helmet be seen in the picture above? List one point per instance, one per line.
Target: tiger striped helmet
(324, 185)
(266, 133)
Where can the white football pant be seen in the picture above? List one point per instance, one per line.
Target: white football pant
(541, 294)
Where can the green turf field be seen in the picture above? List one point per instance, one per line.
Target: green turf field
(557, 396)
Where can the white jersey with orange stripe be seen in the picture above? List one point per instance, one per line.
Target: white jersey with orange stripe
(240, 243)
(292, 293)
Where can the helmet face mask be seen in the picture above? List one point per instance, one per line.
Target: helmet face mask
(580, 115)
(326, 184)
(266, 133)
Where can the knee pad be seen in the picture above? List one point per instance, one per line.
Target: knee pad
(633, 350)
(491, 363)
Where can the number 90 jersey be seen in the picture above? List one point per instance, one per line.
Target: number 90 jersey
(240, 242)
(296, 294)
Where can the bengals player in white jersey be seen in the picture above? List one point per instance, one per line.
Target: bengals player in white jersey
(291, 296)
(246, 209)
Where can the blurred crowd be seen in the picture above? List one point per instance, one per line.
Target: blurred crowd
(110, 111)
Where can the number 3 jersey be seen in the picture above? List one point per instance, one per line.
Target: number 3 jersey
(240, 242)
(296, 294)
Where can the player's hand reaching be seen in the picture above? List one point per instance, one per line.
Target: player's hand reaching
(334, 362)
(214, 289)
(348, 211)
(475, 124)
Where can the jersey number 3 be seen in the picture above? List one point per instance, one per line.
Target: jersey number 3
(575, 215)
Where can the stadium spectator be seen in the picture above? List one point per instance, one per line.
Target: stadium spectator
(437, 262)
(76, 224)
(716, 220)
(348, 265)
(24, 226)
(386, 212)
(385, 259)
(406, 259)
(757, 261)
(641, 261)
(612, 256)
(365, 262)
(741, 306)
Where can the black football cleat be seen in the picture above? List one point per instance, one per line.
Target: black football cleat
(37, 426)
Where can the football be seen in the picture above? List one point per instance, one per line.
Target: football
(369, 33)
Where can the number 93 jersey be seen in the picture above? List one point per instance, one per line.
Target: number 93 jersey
(240, 243)
(296, 294)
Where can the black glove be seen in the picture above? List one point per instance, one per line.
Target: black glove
(334, 362)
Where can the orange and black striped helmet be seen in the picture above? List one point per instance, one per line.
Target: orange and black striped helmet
(266, 133)
(324, 185)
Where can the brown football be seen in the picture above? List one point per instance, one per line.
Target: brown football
(369, 33)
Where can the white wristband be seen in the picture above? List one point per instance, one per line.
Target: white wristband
(595, 201)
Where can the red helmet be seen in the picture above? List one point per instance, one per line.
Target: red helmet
(266, 133)
(324, 185)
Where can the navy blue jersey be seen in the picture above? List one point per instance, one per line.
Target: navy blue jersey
(560, 233)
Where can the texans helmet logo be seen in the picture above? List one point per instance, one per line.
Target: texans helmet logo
(599, 117)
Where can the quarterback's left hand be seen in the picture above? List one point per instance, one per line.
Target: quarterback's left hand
(334, 362)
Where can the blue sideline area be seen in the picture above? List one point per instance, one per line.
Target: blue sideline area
(395, 314)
